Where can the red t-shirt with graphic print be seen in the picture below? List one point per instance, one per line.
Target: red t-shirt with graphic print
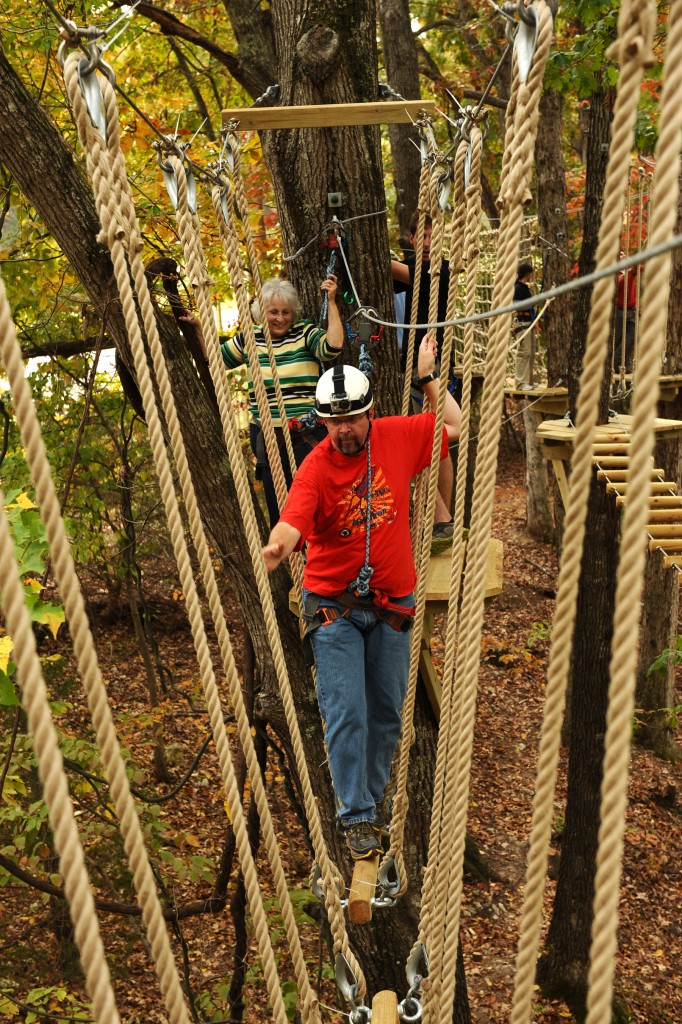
(327, 503)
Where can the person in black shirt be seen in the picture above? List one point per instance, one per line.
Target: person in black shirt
(402, 272)
(525, 356)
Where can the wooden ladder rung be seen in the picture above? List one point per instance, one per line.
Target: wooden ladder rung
(672, 530)
(656, 501)
(670, 561)
(657, 487)
(667, 545)
(610, 448)
(610, 460)
(665, 515)
(615, 475)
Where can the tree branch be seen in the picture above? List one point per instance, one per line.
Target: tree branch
(172, 26)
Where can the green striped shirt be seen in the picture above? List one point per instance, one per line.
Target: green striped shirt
(297, 355)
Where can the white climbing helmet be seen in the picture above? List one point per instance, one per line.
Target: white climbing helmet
(343, 391)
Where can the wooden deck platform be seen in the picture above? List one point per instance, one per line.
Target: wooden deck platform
(669, 384)
(550, 401)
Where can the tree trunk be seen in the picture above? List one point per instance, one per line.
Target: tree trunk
(402, 74)
(553, 228)
(563, 968)
(660, 600)
(539, 522)
(331, 57)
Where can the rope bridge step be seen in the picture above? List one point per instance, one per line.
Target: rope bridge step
(620, 487)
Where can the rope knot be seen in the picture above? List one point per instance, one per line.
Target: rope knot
(635, 35)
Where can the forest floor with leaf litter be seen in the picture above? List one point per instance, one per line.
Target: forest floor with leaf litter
(515, 646)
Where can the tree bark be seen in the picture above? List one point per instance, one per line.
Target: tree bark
(656, 692)
(562, 970)
(539, 521)
(402, 74)
(331, 57)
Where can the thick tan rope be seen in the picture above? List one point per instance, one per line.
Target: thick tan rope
(331, 879)
(634, 44)
(242, 206)
(228, 236)
(188, 227)
(436, 878)
(624, 656)
(115, 206)
(231, 249)
(400, 803)
(521, 131)
(423, 205)
(34, 697)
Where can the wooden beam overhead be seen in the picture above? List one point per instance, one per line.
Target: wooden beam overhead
(329, 115)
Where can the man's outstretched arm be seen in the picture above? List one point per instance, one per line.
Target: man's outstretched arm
(281, 542)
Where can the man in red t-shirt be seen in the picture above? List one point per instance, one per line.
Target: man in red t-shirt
(350, 501)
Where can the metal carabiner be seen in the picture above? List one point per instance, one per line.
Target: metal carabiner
(345, 980)
(525, 41)
(522, 11)
(90, 87)
(388, 878)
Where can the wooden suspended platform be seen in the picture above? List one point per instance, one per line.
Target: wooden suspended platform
(550, 401)
(669, 384)
(611, 457)
(329, 115)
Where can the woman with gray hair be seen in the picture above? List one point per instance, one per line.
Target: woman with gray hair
(300, 347)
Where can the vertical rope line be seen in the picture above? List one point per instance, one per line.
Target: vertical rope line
(635, 33)
(638, 279)
(422, 204)
(430, 919)
(242, 206)
(228, 235)
(34, 697)
(400, 803)
(624, 655)
(522, 128)
(120, 230)
(331, 879)
(450, 719)
(188, 227)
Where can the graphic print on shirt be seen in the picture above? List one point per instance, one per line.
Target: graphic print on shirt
(353, 504)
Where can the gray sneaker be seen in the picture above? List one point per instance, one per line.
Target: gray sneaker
(362, 840)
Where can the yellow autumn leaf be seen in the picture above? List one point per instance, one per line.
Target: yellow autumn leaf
(228, 812)
(53, 622)
(22, 501)
(6, 647)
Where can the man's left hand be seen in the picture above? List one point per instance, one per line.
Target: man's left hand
(428, 351)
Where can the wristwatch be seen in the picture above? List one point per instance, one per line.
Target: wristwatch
(434, 375)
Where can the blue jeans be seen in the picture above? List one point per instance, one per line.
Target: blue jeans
(362, 669)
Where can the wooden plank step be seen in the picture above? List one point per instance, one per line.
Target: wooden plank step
(671, 561)
(610, 460)
(666, 544)
(656, 501)
(328, 115)
(611, 448)
(666, 530)
(665, 515)
(623, 474)
(657, 487)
